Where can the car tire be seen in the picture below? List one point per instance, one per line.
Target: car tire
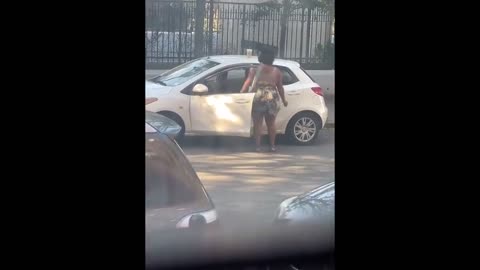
(303, 128)
(175, 117)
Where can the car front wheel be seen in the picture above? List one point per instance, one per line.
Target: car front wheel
(303, 128)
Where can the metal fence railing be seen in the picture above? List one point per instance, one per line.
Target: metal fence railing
(302, 34)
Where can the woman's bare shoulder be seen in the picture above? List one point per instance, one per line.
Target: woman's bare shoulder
(278, 72)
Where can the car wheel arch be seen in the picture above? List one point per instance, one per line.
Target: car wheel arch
(289, 131)
(177, 118)
(289, 122)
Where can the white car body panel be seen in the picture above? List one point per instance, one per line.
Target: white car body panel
(230, 114)
(222, 114)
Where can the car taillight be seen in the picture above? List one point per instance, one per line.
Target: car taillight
(318, 90)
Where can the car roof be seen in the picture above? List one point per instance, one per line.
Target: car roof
(240, 59)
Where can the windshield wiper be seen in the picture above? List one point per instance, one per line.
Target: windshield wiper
(159, 82)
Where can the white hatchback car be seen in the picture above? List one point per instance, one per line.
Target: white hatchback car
(203, 97)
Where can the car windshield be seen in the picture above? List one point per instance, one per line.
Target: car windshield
(184, 72)
(169, 180)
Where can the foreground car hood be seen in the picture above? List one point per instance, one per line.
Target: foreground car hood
(155, 90)
(306, 211)
(317, 206)
(163, 124)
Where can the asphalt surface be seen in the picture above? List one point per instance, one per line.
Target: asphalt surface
(247, 187)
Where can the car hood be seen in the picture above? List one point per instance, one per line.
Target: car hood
(311, 207)
(155, 89)
(163, 124)
(305, 210)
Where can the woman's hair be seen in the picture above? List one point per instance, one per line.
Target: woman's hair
(266, 56)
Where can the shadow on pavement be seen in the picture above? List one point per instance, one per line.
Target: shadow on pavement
(240, 144)
(246, 186)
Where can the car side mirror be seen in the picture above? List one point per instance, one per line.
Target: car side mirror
(197, 221)
(200, 89)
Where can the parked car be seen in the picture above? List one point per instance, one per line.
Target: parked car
(316, 206)
(313, 208)
(163, 124)
(203, 97)
(174, 196)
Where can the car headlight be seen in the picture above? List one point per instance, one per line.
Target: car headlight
(198, 218)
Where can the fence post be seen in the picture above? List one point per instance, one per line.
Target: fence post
(210, 28)
(180, 28)
(285, 14)
(244, 21)
(301, 35)
(309, 22)
(330, 52)
(199, 24)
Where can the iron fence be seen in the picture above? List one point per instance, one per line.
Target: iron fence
(304, 35)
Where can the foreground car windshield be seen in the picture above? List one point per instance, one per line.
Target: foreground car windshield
(184, 72)
(169, 179)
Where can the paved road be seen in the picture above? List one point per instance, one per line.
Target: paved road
(246, 186)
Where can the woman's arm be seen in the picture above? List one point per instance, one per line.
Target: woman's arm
(150, 100)
(281, 91)
(248, 81)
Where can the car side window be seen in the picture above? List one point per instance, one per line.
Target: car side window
(227, 82)
(236, 78)
(230, 81)
(288, 76)
(214, 83)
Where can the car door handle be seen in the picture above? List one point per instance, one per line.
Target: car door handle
(242, 101)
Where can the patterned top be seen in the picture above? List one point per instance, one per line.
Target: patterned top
(266, 98)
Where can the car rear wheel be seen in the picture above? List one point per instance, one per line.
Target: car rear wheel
(303, 128)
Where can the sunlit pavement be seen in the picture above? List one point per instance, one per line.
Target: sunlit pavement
(246, 187)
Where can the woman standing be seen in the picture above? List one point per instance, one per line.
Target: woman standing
(268, 89)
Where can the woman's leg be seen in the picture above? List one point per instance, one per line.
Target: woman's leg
(257, 128)
(272, 132)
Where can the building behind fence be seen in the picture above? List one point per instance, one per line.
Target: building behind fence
(231, 28)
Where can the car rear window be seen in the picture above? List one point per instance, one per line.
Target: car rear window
(169, 178)
(304, 71)
(288, 76)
